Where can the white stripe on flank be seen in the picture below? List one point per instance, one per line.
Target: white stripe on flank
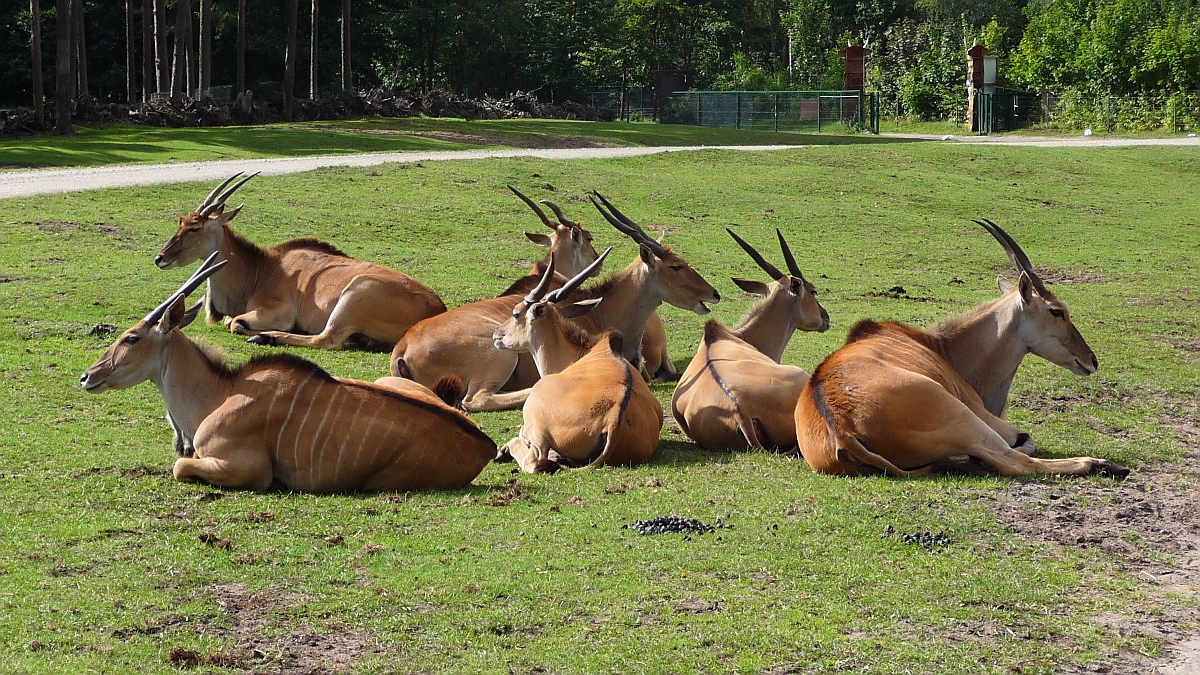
(337, 465)
(312, 449)
(296, 444)
(366, 432)
(291, 409)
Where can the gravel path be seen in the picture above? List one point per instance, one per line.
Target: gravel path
(51, 181)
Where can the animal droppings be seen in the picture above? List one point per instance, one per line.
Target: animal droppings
(673, 524)
(928, 540)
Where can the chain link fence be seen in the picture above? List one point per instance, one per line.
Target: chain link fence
(774, 110)
(1174, 112)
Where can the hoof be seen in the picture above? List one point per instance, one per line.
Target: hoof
(1108, 469)
(667, 377)
(546, 466)
(261, 339)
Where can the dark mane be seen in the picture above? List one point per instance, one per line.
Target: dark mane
(309, 244)
(714, 330)
(288, 361)
(575, 335)
(868, 328)
(596, 290)
(527, 283)
(616, 343)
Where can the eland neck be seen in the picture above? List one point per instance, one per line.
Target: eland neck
(190, 383)
(984, 348)
(231, 287)
(768, 328)
(556, 349)
(630, 297)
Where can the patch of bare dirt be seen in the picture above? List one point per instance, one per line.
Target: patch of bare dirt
(61, 226)
(245, 618)
(1149, 525)
(1061, 277)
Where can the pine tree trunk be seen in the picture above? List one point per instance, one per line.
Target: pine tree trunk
(148, 72)
(162, 51)
(205, 46)
(289, 69)
(347, 79)
(63, 77)
(241, 47)
(312, 55)
(189, 48)
(35, 48)
(79, 35)
(130, 55)
(179, 74)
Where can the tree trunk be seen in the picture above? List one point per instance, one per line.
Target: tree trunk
(347, 79)
(148, 72)
(289, 69)
(76, 90)
(130, 55)
(162, 52)
(35, 48)
(241, 47)
(84, 90)
(189, 48)
(312, 55)
(179, 74)
(205, 46)
(63, 77)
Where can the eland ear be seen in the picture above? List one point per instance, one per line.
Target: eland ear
(538, 238)
(647, 256)
(578, 309)
(173, 317)
(230, 215)
(537, 310)
(1004, 284)
(190, 315)
(751, 286)
(1027, 289)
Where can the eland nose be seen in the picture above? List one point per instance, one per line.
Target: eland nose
(83, 378)
(716, 296)
(158, 260)
(1095, 363)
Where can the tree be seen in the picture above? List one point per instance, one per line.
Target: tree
(63, 77)
(313, 89)
(289, 62)
(148, 71)
(35, 46)
(79, 51)
(130, 55)
(241, 46)
(205, 46)
(347, 78)
(180, 75)
(162, 58)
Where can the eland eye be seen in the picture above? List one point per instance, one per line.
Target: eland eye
(1057, 313)
(677, 267)
(130, 339)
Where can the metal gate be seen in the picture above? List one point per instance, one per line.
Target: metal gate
(774, 110)
(1005, 110)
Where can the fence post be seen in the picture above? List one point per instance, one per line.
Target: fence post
(776, 111)
(699, 119)
(737, 118)
(818, 113)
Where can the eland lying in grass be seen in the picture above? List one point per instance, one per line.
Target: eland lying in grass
(281, 420)
(459, 342)
(735, 393)
(303, 292)
(903, 401)
(590, 407)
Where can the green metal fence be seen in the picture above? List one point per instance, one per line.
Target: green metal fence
(774, 110)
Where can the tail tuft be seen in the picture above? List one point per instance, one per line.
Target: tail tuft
(449, 388)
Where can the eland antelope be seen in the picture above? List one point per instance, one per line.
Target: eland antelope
(735, 393)
(902, 400)
(282, 420)
(303, 292)
(590, 407)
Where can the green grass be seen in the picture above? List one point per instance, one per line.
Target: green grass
(102, 567)
(128, 144)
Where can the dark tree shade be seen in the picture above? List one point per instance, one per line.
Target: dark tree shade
(63, 76)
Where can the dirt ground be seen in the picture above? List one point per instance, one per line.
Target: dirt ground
(1148, 525)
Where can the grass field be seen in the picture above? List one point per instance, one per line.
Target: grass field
(127, 144)
(108, 565)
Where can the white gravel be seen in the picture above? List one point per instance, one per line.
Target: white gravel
(51, 181)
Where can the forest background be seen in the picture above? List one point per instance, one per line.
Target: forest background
(561, 49)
